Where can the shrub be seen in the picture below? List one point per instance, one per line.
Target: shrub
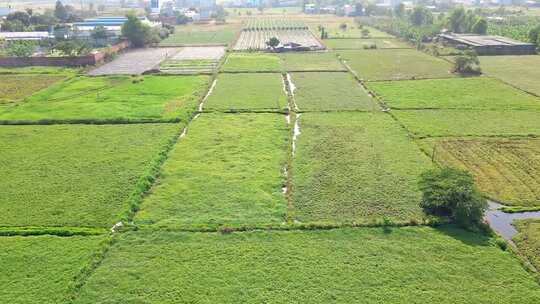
(467, 63)
(21, 48)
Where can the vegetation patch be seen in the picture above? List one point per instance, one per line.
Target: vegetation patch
(248, 92)
(395, 64)
(311, 62)
(359, 44)
(16, 87)
(200, 34)
(520, 71)
(315, 91)
(457, 93)
(528, 240)
(227, 171)
(241, 62)
(370, 265)
(355, 167)
(149, 98)
(75, 175)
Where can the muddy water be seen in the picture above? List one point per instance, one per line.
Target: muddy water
(501, 222)
(201, 105)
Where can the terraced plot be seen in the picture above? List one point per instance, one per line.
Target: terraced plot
(520, 71)
(458, 93)
(226, 171)
(426, 123)
(330, 91)
(43, 269)
(395, 64)
(119, 98)
(16, 87)
(323, 61)
(355, 167)
(193, 60)
(248, 92)
(359, 44)
(408, 265)
(75, 175)
(507, 170)
(242, 62)
(528, 240)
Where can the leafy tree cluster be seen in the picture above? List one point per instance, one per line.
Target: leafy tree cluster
(137, 33)
(466, 21)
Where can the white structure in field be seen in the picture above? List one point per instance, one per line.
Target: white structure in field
(154, 6)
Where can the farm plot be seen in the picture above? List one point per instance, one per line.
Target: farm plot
(456, 93)
(43, 269)
(113, 98)
(75, 175)
(352, 31)
(426, 123)
(528, 240)
(201, 34)
(395, 64)
(316, 61)
(358, 44)
(263, 24)
(241, 62)
(256, 39)
(372, 265)
(193, 60)
(16, 87)
(38, 70)
(227, 170)
(355, 167)
(507, 170)
(134, 62)
(248, 92)
(330, 91)
(520, 71)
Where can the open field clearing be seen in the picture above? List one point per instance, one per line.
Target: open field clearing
(330, 91)
(75, 175)
(355, 167)
(201, 34)
(456, 93)
(134, 62)
(16, 87)
(506, 170)
(243, 92)
(408, 265)
(320, 61)
(193, 60)
(201, 52)
(43, 269)
(359, 44)
(520, 71)
(528, 240)
(351, 32)
(240, 62)
(395, 64)
(227, 170)
(256, 39)
(118, 98)
(426, 123)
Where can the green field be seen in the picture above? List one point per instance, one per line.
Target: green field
(226, 171)
(355, 167)
(75, 175)
(528, 240)
(359, 44)
(298, 62)
(329, 91)
(457, 93)
(520, 71)
(117, 98)
(34, 70)
(408, 265)
(203, 34)
(248, 92)
(395, 64)
(425, 123)
(507, 170)
(16, 87)
(353, 30)
(43, 269)
(242, 62)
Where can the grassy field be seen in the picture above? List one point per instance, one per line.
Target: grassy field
(249, 91)
(149, 98)
(422, 123)
(408, 265)
(395, 64)
(226, 171)
(356, 167)
(16, 87)
(33, 70)
(457, 93)
(528, 240)
(242, 62)
(311, 62)
(353, 30)
(358, 44)
(201, 34)
(316, 91)
(74, 175)
(42, 269)
(507, 170)
(520, 71)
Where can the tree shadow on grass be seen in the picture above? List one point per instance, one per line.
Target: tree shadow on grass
(472, 238)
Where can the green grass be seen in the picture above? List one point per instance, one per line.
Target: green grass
(405, 265)
(38, 70)
(425, 123)
(16, 87)
(149, 98)
(311, 62)
(200, 35)
(395, 64)
(457, 93)
(226, 171)
(43, 269)
(352, 31)
(528, 240)
(250, 91)
(75, 175)
(358, 44)
(242, 62)
(355, 167)
(520, 71)
(330, 91)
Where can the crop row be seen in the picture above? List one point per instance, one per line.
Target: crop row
(274, 24)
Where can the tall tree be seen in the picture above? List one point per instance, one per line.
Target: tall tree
(60, 11)
(480, 27)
